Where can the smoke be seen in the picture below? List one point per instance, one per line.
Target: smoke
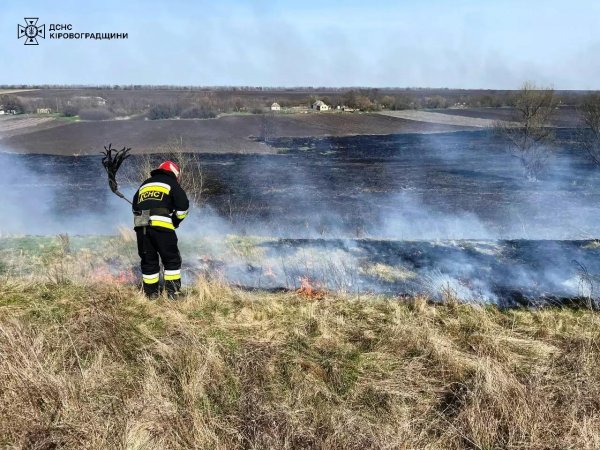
(414, 220)
(445, 215)
(45, 195)
(50, 195)
(474, 188)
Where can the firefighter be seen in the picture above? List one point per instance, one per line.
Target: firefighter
(159, 206)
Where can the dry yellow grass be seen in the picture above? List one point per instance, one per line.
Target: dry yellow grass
(91, 366)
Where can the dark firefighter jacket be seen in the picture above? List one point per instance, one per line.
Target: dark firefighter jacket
(164, 197)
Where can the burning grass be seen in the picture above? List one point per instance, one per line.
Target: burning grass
(97, 366)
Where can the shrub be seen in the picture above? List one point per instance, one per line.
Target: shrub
(70, 111)
(163, 111)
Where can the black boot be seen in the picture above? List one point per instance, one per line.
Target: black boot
(151, 291)
(173, 288)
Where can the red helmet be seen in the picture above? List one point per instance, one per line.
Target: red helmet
(171, 167)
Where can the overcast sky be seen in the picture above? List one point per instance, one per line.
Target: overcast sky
(426, 43)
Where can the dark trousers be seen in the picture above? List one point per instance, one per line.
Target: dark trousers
(153, 243)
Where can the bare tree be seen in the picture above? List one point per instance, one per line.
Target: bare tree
(529, 135)
(192, 180)
(589, 134)
(11, 102)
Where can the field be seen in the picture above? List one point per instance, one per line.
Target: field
(97, 366)
(21, 124)
(242, 116)
(456, 185)
(228, 134)
(399, 214)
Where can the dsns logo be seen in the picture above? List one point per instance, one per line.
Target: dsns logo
(31, 31)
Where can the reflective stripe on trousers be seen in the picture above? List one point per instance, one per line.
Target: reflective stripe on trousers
(172, 274)
(150, 279)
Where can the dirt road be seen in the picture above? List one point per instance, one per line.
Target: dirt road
(439, 118)
(22, 124)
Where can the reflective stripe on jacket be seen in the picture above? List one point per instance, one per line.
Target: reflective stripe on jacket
(164, 197)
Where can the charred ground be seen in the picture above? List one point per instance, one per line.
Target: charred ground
(396, 214)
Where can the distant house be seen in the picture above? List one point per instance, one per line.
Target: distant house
(319, 105)
(7, 111)
(275, 107)
(44, 110)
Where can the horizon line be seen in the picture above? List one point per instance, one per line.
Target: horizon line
(114, 86)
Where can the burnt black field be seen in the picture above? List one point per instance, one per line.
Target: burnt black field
(458, 185)
(455, 185)
(368, 189)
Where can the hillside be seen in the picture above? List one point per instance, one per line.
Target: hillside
(97, 366)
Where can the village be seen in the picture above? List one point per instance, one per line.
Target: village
(196, 102)
(14, 106)
(317, 106)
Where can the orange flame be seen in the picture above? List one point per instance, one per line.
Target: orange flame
(308, 290)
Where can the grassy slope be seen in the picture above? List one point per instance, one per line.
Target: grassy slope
(88, 366)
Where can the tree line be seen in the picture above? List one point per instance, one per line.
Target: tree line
(195, 102)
